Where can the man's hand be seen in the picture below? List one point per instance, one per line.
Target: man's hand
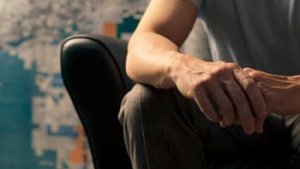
(281, 93)
(223, 92)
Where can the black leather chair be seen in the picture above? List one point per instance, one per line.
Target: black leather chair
(93, 71)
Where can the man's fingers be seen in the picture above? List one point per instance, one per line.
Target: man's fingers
(223, 102)
(255, 97)
(206, 106)
(263, 76)
(242, 106)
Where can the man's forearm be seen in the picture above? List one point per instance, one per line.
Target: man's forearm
(151, 59)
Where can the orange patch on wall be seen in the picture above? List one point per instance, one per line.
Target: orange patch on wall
(110, 29)
(78, 156)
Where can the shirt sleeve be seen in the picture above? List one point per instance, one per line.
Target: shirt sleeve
(197, 2)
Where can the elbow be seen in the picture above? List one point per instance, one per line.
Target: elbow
(129, 71)
(129, 67)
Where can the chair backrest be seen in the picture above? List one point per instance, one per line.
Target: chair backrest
(93, 71)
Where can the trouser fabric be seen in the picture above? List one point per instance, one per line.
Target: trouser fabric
(164, 130)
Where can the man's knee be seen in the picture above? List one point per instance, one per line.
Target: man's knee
(130, 116)
(140, 98)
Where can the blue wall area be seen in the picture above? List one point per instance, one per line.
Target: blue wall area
(16, 89)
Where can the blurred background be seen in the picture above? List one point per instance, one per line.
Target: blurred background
(39, 128)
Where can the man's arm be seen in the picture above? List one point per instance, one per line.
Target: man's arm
(154, 58)
(282, 93)
(154, 45)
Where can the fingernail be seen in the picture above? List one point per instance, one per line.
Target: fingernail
(222, 124)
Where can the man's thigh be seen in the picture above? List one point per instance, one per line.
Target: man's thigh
(172, 124)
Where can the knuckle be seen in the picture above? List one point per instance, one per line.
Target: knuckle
(224, 67)
(250, 84)
(233, 65)
(220, 70)
(255, 75)
(207, 78)
(220, 63)
(204, 80)
(249, 80)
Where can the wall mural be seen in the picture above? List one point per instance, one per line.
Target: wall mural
(38, 125)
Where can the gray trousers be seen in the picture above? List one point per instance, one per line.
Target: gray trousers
(164, 130)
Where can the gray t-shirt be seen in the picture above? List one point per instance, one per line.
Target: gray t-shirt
(263, 34)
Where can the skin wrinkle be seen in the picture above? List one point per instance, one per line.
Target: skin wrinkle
(280, 92)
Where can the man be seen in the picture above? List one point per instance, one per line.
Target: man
(214, 113)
